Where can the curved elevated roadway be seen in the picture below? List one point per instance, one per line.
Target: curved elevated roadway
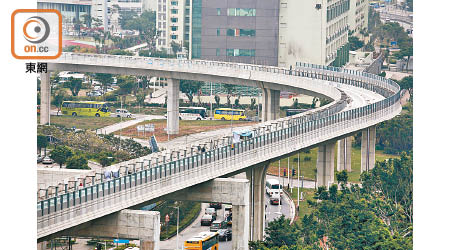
(146, 179)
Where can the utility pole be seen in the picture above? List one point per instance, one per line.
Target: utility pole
(178, 222)
(288, 173)
(298, 180)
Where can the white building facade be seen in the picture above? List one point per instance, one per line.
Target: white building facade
(358, 17)
(313, 31)
(173, 23)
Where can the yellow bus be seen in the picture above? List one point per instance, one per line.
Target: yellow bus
(85, 108)
(203, 241)
(228, 114)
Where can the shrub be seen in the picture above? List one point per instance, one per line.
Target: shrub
(77, 162)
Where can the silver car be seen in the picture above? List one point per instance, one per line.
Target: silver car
(47, 160)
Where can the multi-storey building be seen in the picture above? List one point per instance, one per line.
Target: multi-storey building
(115, 7)
(71, 10)
(173, 21)
(313, 31)
(231, 30)
(358, 17)
(108, 11)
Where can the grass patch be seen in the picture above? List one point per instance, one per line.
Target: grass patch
(84, 122)
(308, 194)
(307, 167)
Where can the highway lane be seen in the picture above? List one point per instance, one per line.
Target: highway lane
(272, 212)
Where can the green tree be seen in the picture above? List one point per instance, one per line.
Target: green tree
(217, 100)
(252, 103)
(58, 98)
(87, 20)
(145, 24)
(42, 143)
(342, 176)
(405, 51)
(355, 43)
(175, 47)
(120, 52)
(74, 85)
(105, 159)
(407, 83)
(126, 86)
(236, 102)
(105, 79)
(230, 89)
(279, 233)
(60, 154)
(190, 88)
(140, 98)
(125, 17)
(396, 135)
(77, 162)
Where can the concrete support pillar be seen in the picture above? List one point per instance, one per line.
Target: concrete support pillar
(270, 104)
(344, 154)
(147, 245)
(42, 245)
(241, 222)
(173, 101)
(368, 148)
(325, 164)
(126, 224)
(257, 178)
(45, 98)
(224, 190)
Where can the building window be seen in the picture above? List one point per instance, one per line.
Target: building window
(240, 52)
(174, 28)
(241, 32)
(174, 11)
(217, 52)
(218, 32)
(175, 3)
(173, 37)
(174, 19)
(218, 11)
(241, 12)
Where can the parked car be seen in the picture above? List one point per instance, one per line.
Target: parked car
(206, 220)
(94, 93)
(123, 113)
(225, 234)
(39, 158)
(216, 205)
(47, 160)
(218, 224)
(275, 199)
(211, 211)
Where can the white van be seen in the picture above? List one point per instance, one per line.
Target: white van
(123, 113)
(273, 186)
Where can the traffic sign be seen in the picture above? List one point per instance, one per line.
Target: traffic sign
(149, 127)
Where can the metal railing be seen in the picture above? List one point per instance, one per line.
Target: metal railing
(171, 174)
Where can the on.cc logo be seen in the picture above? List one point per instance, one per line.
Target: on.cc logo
(36, 29)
